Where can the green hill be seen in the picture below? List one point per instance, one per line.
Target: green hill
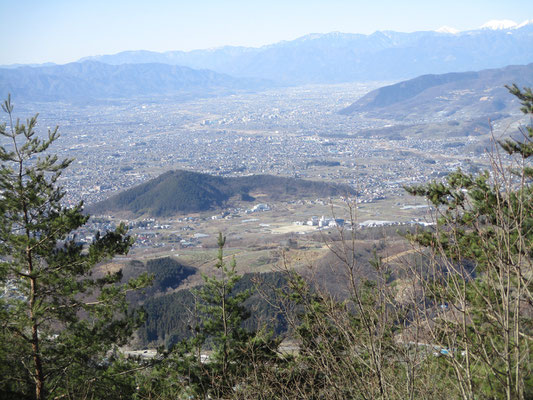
(184, 191)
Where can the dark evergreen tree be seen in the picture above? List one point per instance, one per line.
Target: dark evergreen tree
(59, 318)
(479, 289)
(222, 354)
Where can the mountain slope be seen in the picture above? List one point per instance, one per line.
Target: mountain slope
(184, 191)
(478, 93)
(341, 57)
(95, 80)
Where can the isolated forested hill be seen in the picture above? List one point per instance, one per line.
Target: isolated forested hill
(184, 191)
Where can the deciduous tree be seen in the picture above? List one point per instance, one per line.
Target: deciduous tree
(479, 308)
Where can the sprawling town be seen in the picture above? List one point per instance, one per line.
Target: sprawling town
(291, 132)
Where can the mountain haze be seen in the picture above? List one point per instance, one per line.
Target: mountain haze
(315, 58)
(341, 57)
(96, 80)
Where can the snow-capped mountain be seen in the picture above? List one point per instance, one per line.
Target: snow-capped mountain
(343, 57)
(499, 24)
(504, 24)
(526, 22)
(447, 29)
(493, 25)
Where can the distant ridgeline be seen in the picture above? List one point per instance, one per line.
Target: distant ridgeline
(475, 93)
(346, 57)
(184, 191)
(90, 81)
(316, 58)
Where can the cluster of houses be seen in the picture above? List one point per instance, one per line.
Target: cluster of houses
(322, 222)
(234, 213)
(258, 208)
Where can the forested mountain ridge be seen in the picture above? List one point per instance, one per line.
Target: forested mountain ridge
(477, 92)
(167, 274)
(167, 316)
(186, 191)
(95, 80)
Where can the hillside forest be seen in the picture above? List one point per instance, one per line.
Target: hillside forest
(450, 319)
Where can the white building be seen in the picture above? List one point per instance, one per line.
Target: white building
(260, 207)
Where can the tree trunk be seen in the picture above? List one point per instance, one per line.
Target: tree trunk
(39, 375)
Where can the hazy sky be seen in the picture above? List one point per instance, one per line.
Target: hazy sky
(36, 31)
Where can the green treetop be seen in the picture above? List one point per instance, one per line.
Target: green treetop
(58, 317)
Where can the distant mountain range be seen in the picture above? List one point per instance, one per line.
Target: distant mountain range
(89, 80)
(470, 93)
(342, 57)
(184, 192)
(315, 58)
